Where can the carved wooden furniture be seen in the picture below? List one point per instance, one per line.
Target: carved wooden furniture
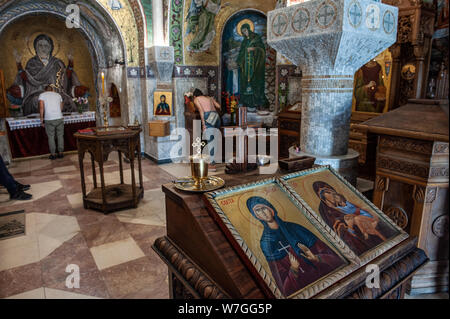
(364, 143)
(112, 197)
(206, 265)
(289, 124)
(411, 52)
(411, 186)
(413, 47)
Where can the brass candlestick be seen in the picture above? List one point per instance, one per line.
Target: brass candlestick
(104, 101)
(105, 117)
(199, 164)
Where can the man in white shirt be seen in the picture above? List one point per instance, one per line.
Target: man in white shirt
(50, 107)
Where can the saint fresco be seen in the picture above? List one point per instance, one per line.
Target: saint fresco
(43, 69)
(244, 48)
(200, 19)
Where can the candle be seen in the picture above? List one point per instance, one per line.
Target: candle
(103, 83)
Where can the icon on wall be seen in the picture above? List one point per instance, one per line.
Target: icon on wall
(162, 104)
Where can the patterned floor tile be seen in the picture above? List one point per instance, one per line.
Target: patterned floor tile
(20, 279)
(116, 253)
(131, 277)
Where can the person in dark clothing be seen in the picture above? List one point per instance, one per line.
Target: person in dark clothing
(15, 189)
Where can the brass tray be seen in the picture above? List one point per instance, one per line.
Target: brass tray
(210, 184)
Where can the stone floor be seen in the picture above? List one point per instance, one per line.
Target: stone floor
(113, 252)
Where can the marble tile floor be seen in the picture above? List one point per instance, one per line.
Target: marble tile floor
(112, 252)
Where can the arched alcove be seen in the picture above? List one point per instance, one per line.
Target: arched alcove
(250, 71)
(97, 38)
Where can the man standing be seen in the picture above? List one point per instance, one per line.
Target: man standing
(50, 107)
(15, 189)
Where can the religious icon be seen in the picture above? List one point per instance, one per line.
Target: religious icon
(41, 70)
(370, 90)
(289, 251)
(114, 106)
(162, 103)
(246, 59)
(296, 256)
(200, 22)
(351, 216)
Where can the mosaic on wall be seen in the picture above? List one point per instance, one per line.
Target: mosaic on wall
(20, 53)
(148, 11)
(196, 27)
(122, 13)
(248, 63)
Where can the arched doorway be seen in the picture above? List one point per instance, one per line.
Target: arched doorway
(247, 62)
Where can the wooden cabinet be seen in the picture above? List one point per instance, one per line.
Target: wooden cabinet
(411, 186)
(411, 52)
(289, 124)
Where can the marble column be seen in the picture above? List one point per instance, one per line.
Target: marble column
(158, 24)
(330, 40)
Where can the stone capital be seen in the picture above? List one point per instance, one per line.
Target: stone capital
(332, 36)
(161, 60)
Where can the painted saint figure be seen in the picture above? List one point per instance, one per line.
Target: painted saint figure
(359, 229)
(370, 92)
(41, 70)
(200, 19)
(252, 65)
(163, 108)
(295, 255)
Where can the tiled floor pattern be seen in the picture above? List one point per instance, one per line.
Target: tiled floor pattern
(112, 252)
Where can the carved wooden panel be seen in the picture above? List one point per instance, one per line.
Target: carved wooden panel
(399, 216)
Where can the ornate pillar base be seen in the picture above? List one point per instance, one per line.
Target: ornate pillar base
(346, 165)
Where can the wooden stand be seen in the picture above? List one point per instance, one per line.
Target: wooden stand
(206, 265)
(412, 180)
(112, 197)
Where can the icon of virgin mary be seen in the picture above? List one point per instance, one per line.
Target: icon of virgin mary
(43, 69)
(296, 257)
(358, 228)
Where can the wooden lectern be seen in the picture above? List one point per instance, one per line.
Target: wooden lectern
(203, 264)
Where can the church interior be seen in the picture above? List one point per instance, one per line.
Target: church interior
(214, 149)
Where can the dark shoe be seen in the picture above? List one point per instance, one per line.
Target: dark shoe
(52, 157)
(60, 155)
(22, 187)
(20, 195)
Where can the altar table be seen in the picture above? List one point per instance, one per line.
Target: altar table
(28, 138)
